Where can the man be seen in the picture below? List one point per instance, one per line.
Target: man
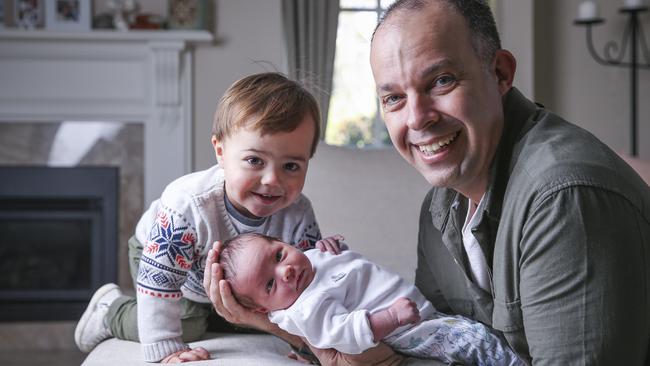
(533, 226)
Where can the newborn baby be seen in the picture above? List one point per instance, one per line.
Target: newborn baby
(346, 302)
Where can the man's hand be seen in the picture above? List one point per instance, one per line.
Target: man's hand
(220, 294)
(330, 244)
(405, 311)
(186, 355)
(381, 355)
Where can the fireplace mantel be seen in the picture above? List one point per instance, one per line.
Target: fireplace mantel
(136, 76)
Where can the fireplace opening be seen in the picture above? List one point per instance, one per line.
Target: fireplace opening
(58, 239)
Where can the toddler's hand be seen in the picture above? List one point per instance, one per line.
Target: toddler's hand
(186, 355)
(405, 311)
(330, 244)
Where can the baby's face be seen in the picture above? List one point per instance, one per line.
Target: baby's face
(272, 274)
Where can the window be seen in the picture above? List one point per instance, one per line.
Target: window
(354, 118)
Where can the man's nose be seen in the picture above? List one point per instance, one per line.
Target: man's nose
(421, 112)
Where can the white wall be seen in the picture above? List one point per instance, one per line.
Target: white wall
(570, 82)
(248, 40)
(373, 198)
(515, 22)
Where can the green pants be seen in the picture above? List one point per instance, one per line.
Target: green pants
(122, 317)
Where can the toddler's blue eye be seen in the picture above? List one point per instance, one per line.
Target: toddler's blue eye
(278, 256)
(254, 161)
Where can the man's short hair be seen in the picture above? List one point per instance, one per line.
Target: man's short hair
(477, 13)
(269, 102)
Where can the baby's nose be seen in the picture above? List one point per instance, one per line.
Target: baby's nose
(288, 273)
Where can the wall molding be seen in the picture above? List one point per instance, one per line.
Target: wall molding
(138, 76)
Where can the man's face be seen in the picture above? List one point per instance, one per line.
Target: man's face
(265, 174)
(273, 275)
(442, 105)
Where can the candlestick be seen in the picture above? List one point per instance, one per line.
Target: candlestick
(588, 10)
(633, 4)
(616, 54)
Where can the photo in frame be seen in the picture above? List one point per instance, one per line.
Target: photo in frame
(28, 14)
(68, 15)
(187, 14)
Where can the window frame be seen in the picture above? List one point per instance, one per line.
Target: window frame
(377, 127)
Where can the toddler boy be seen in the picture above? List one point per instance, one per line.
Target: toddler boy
(348, 303)
(265, 130)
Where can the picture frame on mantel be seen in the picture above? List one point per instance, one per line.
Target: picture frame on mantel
(28, 14)
(68, 15)
(187, 14)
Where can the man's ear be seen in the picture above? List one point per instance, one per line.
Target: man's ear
(505, 65)
(218, 149)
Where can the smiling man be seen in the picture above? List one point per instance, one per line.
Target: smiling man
(532, 226)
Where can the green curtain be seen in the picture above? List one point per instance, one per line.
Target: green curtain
(310, 36)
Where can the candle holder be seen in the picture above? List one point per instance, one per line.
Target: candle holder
(614, 54)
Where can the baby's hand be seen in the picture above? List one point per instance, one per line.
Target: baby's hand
(330, 244)
(404, 311)
(186, 355)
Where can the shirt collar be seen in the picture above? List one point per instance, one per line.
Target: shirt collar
(238, 216)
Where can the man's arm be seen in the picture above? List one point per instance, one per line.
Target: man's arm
(424, 279)
(381, 355)
(584, 289)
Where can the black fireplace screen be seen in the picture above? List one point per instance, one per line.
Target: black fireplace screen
(58, 230)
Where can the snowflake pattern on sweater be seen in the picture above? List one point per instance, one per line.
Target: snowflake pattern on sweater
(176, 232)
(167, 256)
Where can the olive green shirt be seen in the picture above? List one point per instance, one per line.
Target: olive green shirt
(566, 234)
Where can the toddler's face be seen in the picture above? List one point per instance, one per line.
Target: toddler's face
(265, 174)
(272, 274)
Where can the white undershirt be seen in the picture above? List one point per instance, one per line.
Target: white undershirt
(477, 263)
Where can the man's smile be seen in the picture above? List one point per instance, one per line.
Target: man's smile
(436, 146)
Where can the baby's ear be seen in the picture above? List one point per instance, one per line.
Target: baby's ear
(261, 309)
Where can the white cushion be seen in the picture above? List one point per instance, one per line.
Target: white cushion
(225, 349)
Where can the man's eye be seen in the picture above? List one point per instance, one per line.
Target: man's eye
(278, 256)
(292, 167)
(389, 100)
(253, 160)
(444, 80)
(269, 285)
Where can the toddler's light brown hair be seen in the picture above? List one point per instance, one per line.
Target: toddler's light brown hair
(269, 102)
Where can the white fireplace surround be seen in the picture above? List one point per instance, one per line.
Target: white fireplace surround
(137, 76)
